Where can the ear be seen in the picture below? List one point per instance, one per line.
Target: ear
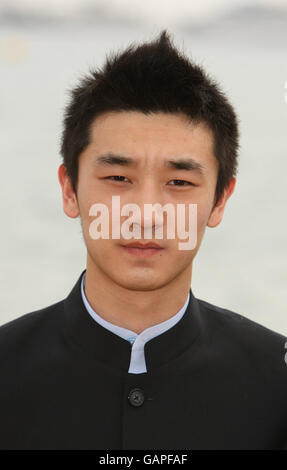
(70, 203)
(217, 211)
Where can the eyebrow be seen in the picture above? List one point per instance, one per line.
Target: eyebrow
(188, 164)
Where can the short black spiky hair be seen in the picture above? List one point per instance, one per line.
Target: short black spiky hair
(151, 77)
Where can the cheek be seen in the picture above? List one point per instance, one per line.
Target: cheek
(87, 197)
(204, 208)
(100, 220)
(200, 216)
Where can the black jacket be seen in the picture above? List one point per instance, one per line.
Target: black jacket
(215, 380)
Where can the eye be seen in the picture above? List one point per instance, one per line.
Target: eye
(181, 183)
(116, 176)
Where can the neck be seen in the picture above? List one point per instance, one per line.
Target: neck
(135, 310)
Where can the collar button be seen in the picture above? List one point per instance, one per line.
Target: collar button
(132, 339)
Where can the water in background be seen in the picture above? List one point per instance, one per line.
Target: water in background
(241, 264)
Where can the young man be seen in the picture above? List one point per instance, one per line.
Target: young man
(131, 359)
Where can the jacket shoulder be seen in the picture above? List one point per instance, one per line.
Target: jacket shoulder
(246, 340)
(28, 319)
(227, 317)
(30, 328)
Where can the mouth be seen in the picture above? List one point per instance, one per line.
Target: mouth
(143, 250)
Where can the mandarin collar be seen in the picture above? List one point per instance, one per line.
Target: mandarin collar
(138, 338)
(115, 351)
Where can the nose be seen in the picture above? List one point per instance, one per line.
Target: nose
(149, 217)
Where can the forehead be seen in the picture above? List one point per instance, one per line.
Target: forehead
(151, 138)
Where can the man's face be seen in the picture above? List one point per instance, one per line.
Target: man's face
(150, 141)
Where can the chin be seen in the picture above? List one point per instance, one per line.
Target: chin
(140, 284)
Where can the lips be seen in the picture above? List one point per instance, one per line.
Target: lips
(142, 250)
(143, 245)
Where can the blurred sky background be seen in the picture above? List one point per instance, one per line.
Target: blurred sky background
(45, 47)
